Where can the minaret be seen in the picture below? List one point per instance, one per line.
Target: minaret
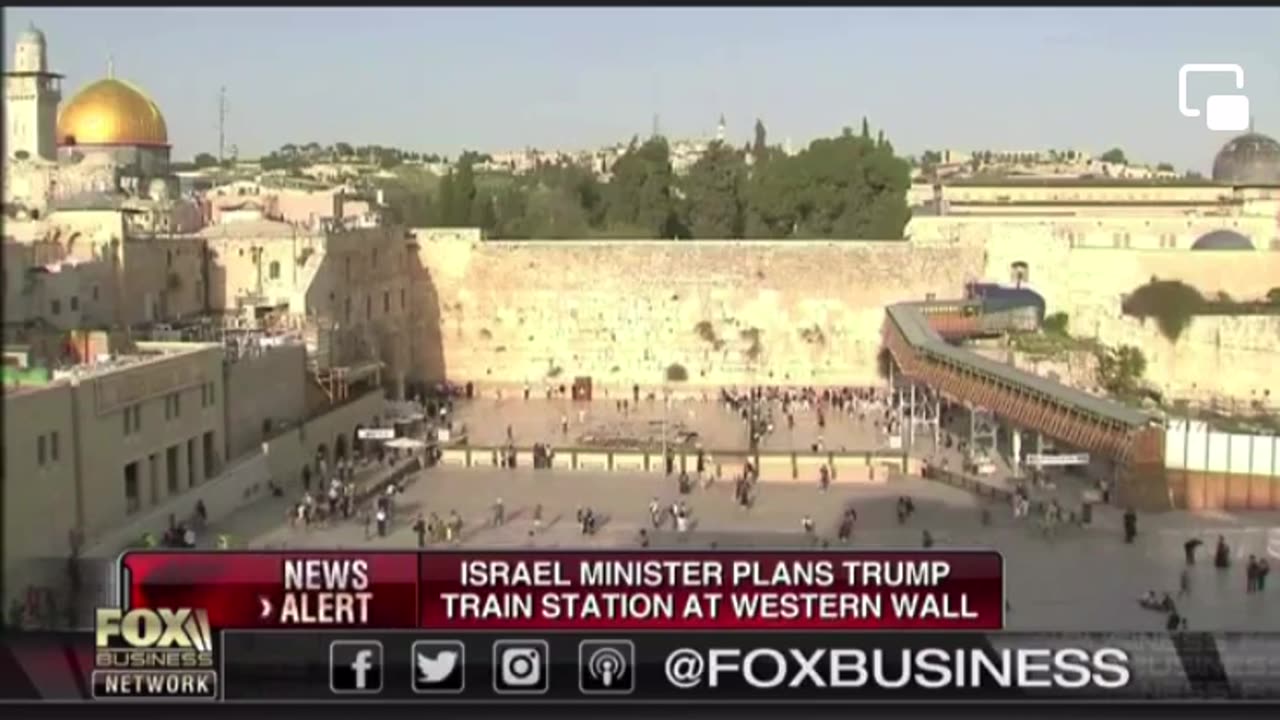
(31, 97)
(721, 130)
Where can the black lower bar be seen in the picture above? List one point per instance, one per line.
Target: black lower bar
(767, 667)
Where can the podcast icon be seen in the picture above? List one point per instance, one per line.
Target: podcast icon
(606, 667)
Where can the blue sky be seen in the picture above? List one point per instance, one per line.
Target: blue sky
(498, 78)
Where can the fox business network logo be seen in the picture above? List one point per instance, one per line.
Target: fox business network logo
(159, 653)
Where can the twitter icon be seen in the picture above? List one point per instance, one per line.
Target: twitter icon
(439, 667)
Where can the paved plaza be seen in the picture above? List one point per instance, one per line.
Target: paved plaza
(537, 420)
(1084, 579)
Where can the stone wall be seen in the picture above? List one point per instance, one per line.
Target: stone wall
(265, 393)
(731, 312)
(1215, 360)
(1089, 284)
(622, 312)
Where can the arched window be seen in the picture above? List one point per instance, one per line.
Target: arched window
(273, 270)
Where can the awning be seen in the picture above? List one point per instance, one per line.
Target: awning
(405, 444)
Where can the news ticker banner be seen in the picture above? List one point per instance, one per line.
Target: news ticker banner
(615, 590)
(710, 666)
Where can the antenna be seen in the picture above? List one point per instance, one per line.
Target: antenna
(222, 123)
(657, 125)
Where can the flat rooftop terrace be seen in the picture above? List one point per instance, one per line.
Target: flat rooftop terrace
(147, 354)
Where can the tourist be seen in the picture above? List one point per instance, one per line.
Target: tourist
(1222, 554)
(499, 512)
(1189, 549)
(926, 540)
(455, 526)
(806, 523)
(1251, 575)
(1264, 569)
(1130, 525)
(846, 526)
(420, 528)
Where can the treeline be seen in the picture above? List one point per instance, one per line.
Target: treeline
(292, 158)
(848, 186)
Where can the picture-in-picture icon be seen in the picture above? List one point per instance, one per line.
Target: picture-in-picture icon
(1224, 113)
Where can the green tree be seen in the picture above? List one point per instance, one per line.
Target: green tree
(641, 192)
(1056, 324)
(204, 160)
(714, 193)
(343, 149)
(1120, 370)
(761, 142)
(556, 214)
(772, 198)
(850, 187)
(1165, 167)
(1114, 155)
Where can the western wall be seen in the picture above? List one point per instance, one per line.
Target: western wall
(731, 312)
(808, 312)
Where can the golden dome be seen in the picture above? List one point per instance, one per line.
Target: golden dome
(111, 112)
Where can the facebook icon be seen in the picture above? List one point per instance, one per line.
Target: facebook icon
(355, 667)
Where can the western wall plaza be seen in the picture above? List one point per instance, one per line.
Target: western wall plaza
(340, 346)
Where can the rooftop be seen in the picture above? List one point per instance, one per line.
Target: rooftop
(147, 354)
(255, 229)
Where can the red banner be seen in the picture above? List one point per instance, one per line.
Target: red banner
(279, 589)
(578, 590)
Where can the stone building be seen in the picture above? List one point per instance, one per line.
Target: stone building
(97, 235)
(106, 440)
(132, 436)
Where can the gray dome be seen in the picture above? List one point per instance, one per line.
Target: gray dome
(1223, 240)
(1251, 159)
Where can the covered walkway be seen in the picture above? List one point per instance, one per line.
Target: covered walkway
(916, 335)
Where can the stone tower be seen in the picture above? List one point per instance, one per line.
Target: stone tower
(31, 97)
